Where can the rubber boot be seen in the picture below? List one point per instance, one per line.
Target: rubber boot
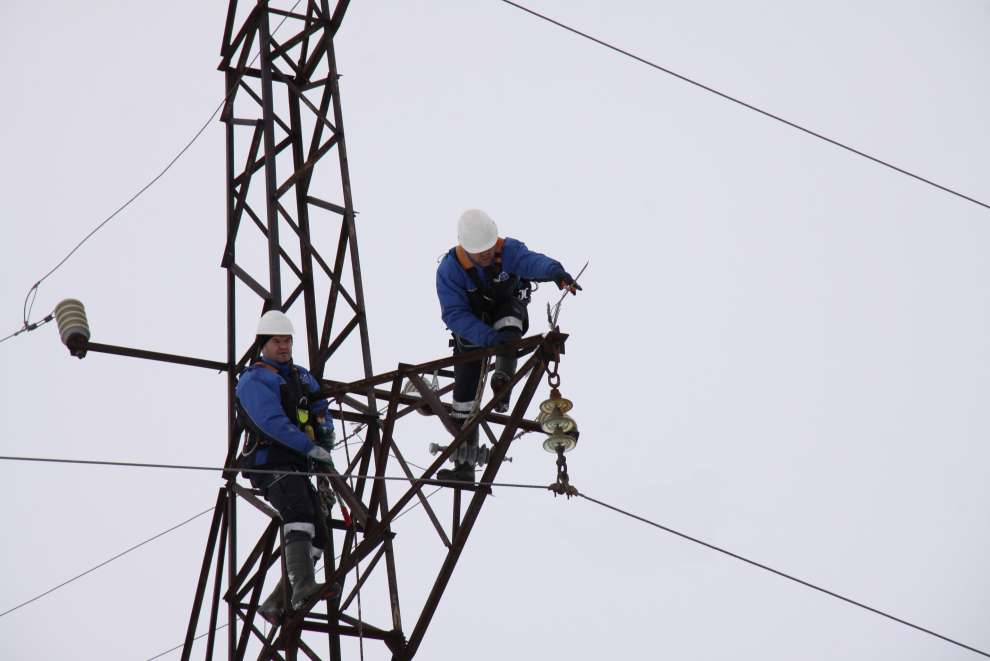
(273, 607)
(462, 471)
(299, 566)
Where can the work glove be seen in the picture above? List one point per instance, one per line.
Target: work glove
(565, 281)
(325, 434)
(320, 455)
(506, 335)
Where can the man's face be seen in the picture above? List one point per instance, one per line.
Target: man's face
(278, 348)
(484, 258)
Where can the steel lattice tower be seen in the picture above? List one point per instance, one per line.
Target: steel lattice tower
(287, 184)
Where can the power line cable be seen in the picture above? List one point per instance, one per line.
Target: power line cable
(181, 645)
(153, 538)
(106, 562)
(30, 327)
(783, 574)
(744, 104)
(260, 471)
(516, 485)
(32, 293)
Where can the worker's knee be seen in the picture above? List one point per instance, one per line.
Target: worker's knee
(291, 497)
(511, 315)
(296, 530)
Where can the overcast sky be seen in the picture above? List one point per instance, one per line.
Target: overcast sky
(781, 348)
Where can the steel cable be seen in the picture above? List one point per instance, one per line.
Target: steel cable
(789, 577)
(32, 293)
(107, 561)
(262, 471)
(749, 106)
(526, 486)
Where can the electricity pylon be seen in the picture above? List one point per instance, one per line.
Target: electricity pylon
(288, 190)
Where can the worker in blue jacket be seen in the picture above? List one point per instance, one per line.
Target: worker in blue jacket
(483, 284)
(287, 427)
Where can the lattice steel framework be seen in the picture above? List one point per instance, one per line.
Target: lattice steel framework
(286, 187)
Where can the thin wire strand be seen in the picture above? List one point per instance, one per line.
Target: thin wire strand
(30, 327)
(749, 106)
(106, 562)
(503, 484)
(32, 293)
(263, 471)
(181, 645)
(783, 574)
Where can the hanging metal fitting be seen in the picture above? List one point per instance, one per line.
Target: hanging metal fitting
(562, 428)
(467, 454)
(563, 486)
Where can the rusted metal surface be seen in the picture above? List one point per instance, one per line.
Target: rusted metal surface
(283, 122)
(155, 355)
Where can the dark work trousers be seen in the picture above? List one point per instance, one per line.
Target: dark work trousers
(294, 497)
(466, 378)
(512, 315)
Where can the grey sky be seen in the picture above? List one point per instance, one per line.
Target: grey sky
(781, 348)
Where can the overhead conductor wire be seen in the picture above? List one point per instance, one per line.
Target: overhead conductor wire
(257, 471)
(750, 106)
(641, 519)
(32, 293)
(782, 574)
(107, 561)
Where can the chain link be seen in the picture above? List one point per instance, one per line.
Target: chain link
(553, 366)
(563, 486)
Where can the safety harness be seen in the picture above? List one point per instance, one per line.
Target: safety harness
(496, 288)
(295, 402)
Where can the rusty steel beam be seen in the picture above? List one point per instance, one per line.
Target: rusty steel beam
(526, 344)
(204, 573)
(286, 139)
(470, 517)
(115, 350)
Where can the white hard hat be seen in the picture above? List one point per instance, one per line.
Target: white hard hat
(274, 322)
(476, 231)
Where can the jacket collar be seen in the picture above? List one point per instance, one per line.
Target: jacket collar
(283, 368)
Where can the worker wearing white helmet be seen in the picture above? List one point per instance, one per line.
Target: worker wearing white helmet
(287, 427)
(483, 284)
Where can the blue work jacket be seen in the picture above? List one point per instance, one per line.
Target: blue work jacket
(259, 391)
(454, 283)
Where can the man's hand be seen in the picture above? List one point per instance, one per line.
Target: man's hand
(506, 335)
(565, 281)
(325, 434)
(320, 455)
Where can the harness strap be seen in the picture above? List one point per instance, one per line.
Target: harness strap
(294, 412)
